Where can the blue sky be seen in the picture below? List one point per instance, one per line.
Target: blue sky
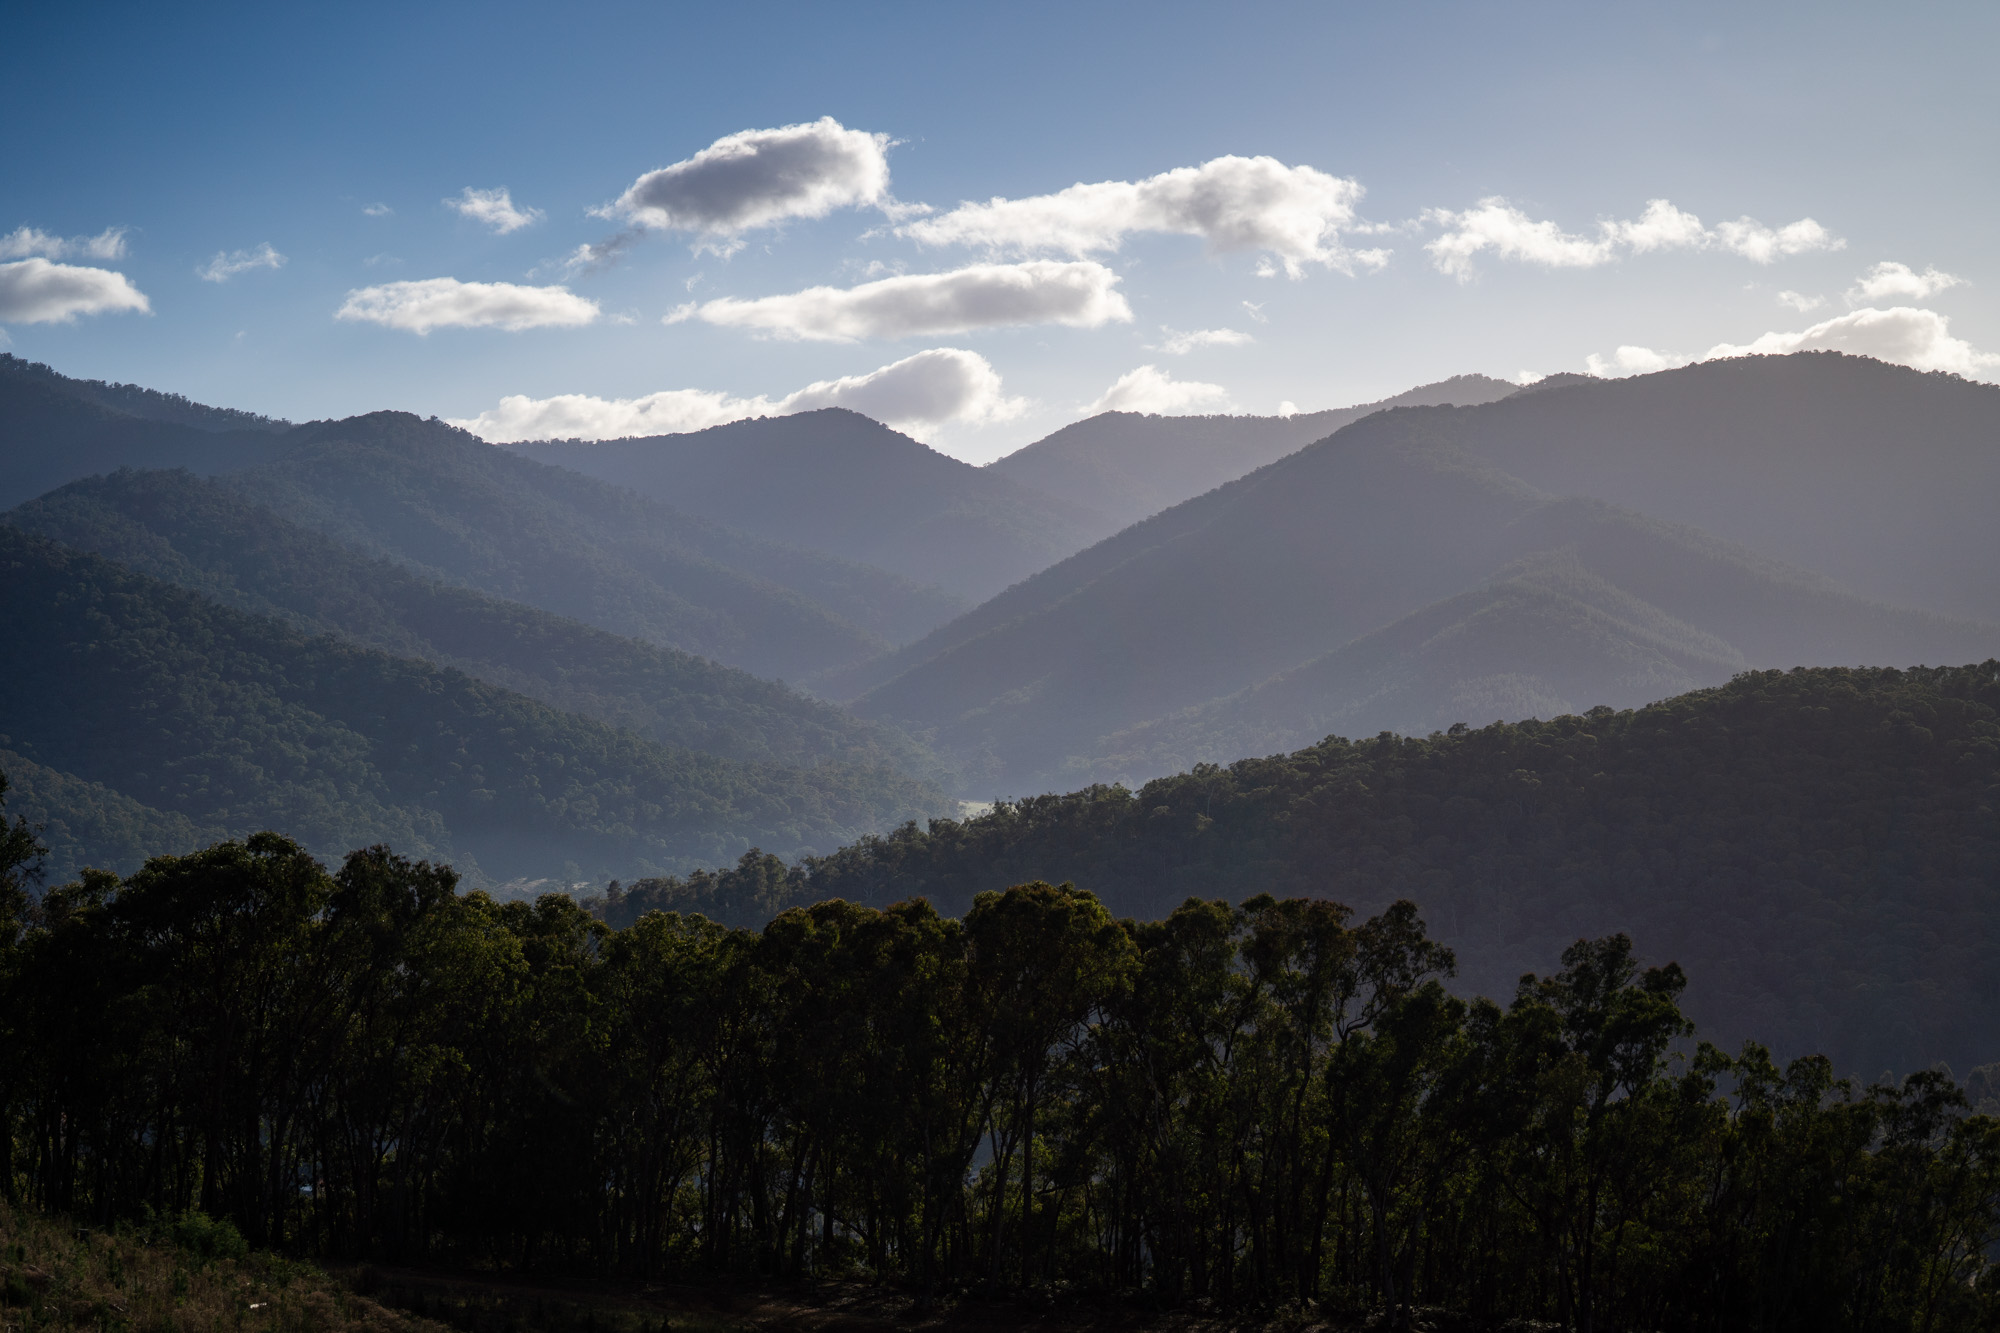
(335, 135)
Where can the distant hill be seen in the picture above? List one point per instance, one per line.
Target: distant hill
(1819, 849)
(1130, 465)
(1045, 684)
(162, 707)
(836, 481)
(203, 535)
(1877, 476)
(452, 506)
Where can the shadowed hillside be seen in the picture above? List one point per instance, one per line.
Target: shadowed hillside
(206, 537)
(235, 723)
(1345, 539)
(836, 481)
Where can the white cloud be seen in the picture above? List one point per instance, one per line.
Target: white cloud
(1288, 408)
(1800, 302)
(1920, 339)
(1234, 203)
(494, 208)
(1150, 389)
(1255, 309)
(1180, 344)
(436, 303)
(35, 291)
(755, 178)
(940, 386)
(1496, 226)
(980, 296)
(378, 210)
(26, 242)
(1889, 281)
(1762, 245)
(227, 264)
(1633, 361)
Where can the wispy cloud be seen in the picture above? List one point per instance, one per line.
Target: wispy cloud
(945, 385)
(1800, 302)
(438, 303)
(1181, 343)
(24, 242)
(228, 263)
(1152, 390)
(1295, 215)
(1079, 294)
(494, 209)
(35, 291)
(1496, 227)
(379, 210)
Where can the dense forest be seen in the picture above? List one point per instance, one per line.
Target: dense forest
(1819, 847)
(238, 722)
(1253, 1108)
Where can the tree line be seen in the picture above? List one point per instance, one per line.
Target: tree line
(1247, 1107)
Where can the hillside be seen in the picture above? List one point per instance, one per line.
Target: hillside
(1384, 520)
(839, 482)
(1877, 476)
(1818, 848)
(236, 722)
(452, 506)
(1130, 465)
(54, 429)
(204, 536)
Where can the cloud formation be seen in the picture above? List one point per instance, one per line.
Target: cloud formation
(494, 208)
(755, 178)
(1904, 335)
(1890, 281)
(1150, 389)
(438, 303)
(981, 296)
(1180, 344)
(1800, 302)
(1294, 214)
(380, 210)
(940, 386)
(35, 291)
(228, 263)
(26, 242)
(1497, 227)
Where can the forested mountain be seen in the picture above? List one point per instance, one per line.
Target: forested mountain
(1130, 465)
(836, 481)
(137, 401)
(203, 535)
(1817, 848)
(54, 429)
(1874, 475)
(1485, 596)
(453, 506)
(236, 722)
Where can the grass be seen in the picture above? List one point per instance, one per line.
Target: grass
(186, 1275)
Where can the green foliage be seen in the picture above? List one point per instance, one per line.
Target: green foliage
(1258, 1108)
(236, 722)
(1817, 847)
(208, 538)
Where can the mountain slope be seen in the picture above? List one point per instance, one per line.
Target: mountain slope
(1820, 849)
(454, 507)
(204, 536)
(238, 722)
(836, 481)
(1129, 465)
(52, 431)
(1877, 476)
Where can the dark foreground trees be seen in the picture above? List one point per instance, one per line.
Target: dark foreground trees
(1241, 1106)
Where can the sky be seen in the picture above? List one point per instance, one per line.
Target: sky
(979, 223)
